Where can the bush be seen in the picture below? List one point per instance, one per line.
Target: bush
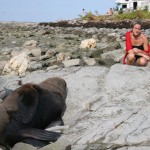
(140, 14)
(137, 14)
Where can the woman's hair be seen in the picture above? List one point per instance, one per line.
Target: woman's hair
(136, 22)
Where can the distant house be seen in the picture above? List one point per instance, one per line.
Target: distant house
(133, 4)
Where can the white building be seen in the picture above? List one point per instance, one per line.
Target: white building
(133, 4)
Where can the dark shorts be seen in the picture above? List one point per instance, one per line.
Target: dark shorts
(137, 57)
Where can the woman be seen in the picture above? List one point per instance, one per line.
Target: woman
(137, 46)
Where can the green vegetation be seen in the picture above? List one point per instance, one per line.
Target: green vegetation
(89, 16)
(140, 14)
(95, 17)
(137, 14)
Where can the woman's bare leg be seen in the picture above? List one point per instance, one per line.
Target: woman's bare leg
(142, 61)
(130, 58)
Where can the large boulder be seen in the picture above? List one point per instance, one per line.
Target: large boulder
(18, 64)
(88, 43)
(106, 108)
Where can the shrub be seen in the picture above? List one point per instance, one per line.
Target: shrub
(137, 14)
(140, 14)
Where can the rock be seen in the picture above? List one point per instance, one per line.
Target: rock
(3, 82)
(105, 107)
(106, 61)
(115, 55)
(15, 53)
(60, 56)
(61, 144)
(23, 146)
(90, 61)
(18, 63)
(117, 45)
(36, 52)
(134, 148)
(2, 94)
(88, 43)
(6, 50)
(50, 53)
(30, 44)
(52, 67)
(2, 64)
(52, 62)
(43, 57)
(72, 62)
(79, 147)
(96, 53)
(35, 65)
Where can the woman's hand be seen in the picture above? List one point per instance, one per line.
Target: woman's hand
(146, 57)
(136, 50)
(130, 51)
(143, 55)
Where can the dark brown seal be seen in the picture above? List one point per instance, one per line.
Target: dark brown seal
(31, 108)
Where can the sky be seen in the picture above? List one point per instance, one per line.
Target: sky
(50, 10)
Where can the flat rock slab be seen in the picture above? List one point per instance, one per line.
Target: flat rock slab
(2, 83)
(107, 108)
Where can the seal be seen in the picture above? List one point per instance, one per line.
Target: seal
(30, 109)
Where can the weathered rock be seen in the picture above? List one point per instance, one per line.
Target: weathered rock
(72, 62)
(18, 63)
(61, 144)
(35, 65)
(106, 108)
(30, 44)
(60, 56)
(88, 43)
(134, 148)
(36, 52)
(53, 67)
(116, 55)
(23, 146)
(2, 64)
(90, 61)
(3, 82)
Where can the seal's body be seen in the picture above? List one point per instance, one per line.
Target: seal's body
(31, 108)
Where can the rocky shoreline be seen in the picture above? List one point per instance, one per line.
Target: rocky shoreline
(48, 47)
(98, 24)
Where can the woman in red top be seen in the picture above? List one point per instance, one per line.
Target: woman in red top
(137, 46)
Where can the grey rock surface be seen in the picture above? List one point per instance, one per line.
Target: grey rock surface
(107, 108)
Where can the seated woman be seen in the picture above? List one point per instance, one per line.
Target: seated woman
(137, 46)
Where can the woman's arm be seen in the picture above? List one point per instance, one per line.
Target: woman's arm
(145, 39)
(143, 55)
(128, 42)
(145, 46)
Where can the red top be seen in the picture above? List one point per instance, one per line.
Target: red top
(129, 46)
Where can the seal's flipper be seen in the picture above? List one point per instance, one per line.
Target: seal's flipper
(31, 133)
(34, 142)
(40, 134)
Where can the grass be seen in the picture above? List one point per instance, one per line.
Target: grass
(137, 14)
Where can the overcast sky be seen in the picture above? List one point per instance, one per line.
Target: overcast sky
(50, 10)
